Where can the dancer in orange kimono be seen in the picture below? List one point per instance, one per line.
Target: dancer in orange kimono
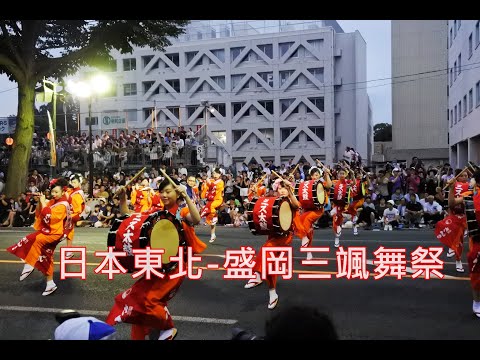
(212, 190)
(356, 196)
(282, 188)
(339, 202)
(76, 197)
(141, 196)
(52, 221)
(473, 256)
(304, 221)
(147, 299)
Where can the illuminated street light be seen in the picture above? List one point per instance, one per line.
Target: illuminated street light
(96, 85)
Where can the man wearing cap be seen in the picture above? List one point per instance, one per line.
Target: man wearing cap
(390, 216)
(84, 328)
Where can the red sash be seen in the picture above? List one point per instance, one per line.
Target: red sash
(449, 230)
(340, 191)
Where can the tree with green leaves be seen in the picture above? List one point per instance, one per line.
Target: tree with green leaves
(29, 53)
(382, 132)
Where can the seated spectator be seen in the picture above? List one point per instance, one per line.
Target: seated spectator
(94, 215)
(432, 211)
(401, 211)
(397, 196)
(380, 208)
(413, 213)
(411, 194)
(390, 216)
(367, 213)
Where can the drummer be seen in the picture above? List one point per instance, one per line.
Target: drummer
(304, 221)
(148, 299)
(141, 196)
(356, 196)
(282, 188)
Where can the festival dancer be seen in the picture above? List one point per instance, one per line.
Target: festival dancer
(461, 187)
(52, 221)
(212, 190)
(339, 202)
(141, 196)
(282, 188)
(192, 190)
(76, 197)
(473, 256)
(147, 299)
(356, 196)
(257, 189)
(304, 221)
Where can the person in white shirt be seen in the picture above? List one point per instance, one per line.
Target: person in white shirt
(432, 211)
(182, 170)
(390, 216)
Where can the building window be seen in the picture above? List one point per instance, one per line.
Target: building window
(175, 84)
(147, 112)
(189, 56)
(286, 133)
(147, 85)
(477, 89)
(455, 28)
(317, 73)
(129, 64)
(191, 110)
(220, 108)
(318, 102)
(477, 34)
(316, 44)
(459, 63)
(237, 134)
(94, 120)
(465, 106)
(220, 81)
(175, 58)
(451, 76)
(284, 75)
(190, 83)
(285, 104)
(470, 46)
(237, 107)
(267, 77)
(470, 100)
(146, 60)
(451, 118)
(319, 131)
(459, 23)
(455, 71)
(283, 48)
(236, 80)
(221, 136)
(460, 110)
(455, 114)
(219, 54)
(129, 89)
(175, 110)
(451, 37)
(267, 49)
(234, 52)
(267, 104)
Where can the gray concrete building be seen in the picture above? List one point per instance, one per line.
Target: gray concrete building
(285, 90)
(464, 91)
(419, 91)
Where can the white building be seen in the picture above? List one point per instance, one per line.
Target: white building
(419, 97)
(464, 91)
(285, 90)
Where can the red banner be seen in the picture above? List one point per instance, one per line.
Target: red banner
(262, 215)
(128, 238)
(305, 194)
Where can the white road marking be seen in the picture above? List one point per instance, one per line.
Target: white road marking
(105, 313)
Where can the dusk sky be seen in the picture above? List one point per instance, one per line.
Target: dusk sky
(376, 34)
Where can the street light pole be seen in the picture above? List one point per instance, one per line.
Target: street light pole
(90, 150)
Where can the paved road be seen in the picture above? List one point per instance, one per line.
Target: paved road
(210, 307)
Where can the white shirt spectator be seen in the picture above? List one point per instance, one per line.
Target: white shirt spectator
(182, 171)
(407, 197)
(430, 208)
(390, 215)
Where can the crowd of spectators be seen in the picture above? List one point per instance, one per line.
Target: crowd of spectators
(398, 195)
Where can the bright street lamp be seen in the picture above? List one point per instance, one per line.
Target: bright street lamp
(96, 85)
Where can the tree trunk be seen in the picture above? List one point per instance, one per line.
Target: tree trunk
(18, 165)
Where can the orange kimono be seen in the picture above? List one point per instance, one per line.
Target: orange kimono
(157, 203)
(356, 196)
(76, 197)
(261, 191)
(213, 192)
(340, 191)
(144, 305)
(141, 200)
(51, 223)
(473, 256)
